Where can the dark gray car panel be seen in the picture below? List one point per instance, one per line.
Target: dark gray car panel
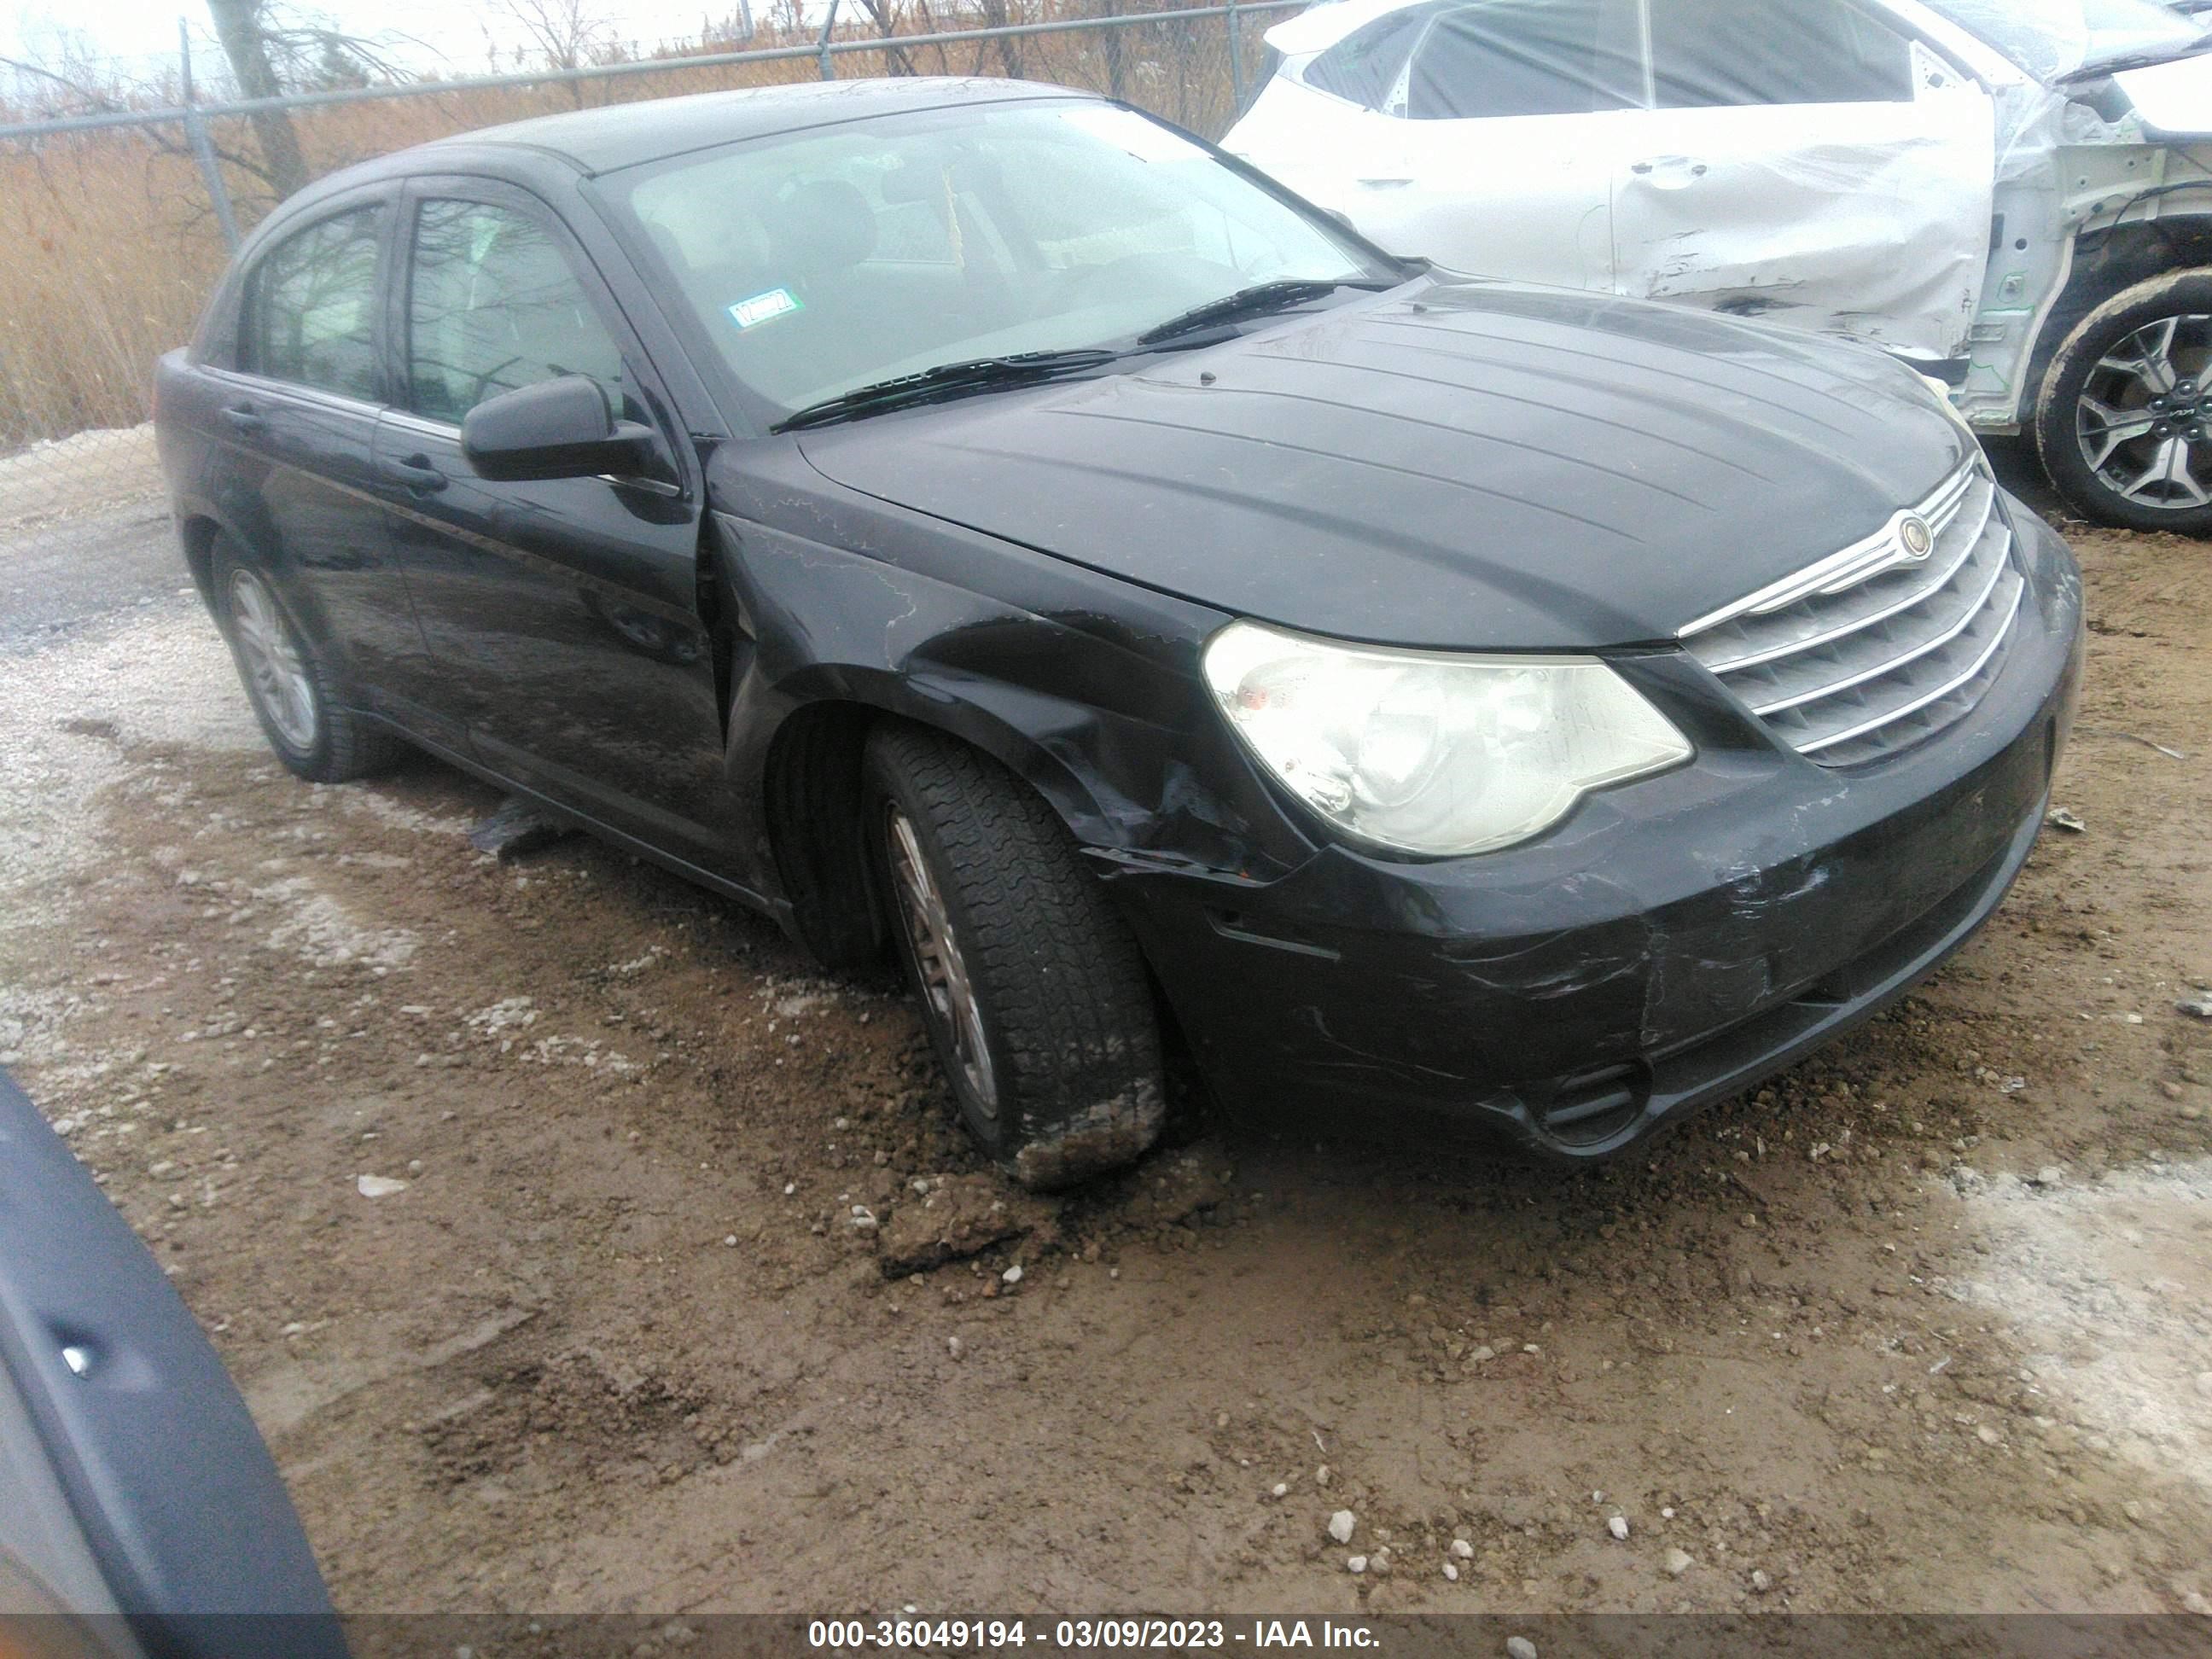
(165, 1477)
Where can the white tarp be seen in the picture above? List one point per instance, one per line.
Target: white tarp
(2174, 100)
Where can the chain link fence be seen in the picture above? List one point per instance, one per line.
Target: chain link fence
(115, 226)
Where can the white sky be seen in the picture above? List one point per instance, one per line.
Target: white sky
(459, 36)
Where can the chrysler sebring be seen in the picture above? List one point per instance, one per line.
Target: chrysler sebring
(985, 529)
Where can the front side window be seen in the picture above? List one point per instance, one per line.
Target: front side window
(1716, 53)
(310, 310)
(493, 307)
(1508, 57)
(820, 261)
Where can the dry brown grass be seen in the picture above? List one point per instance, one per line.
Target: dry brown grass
(108, 245)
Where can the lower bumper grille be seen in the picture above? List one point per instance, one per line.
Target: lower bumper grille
(1884, 644)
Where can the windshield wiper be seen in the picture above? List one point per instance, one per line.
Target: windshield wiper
(2120, 62)
(1258, 300)
(946, 381)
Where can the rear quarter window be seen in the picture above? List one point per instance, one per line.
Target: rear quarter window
(1365, 66)
(311, 307)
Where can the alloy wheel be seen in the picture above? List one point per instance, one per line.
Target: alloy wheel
(2144, 418)
(938, 963)
(275, 673)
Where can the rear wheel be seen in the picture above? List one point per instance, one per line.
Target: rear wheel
(2123, 425)
(295, 694)
(1034, 994)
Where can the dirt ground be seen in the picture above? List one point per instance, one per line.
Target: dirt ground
(1923, 1326)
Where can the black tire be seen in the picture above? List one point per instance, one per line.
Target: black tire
(2101, 397)
(1069, 1080)
(314, 731)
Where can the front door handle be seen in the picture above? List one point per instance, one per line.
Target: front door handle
(417, 474)
(243, 418)
(1673, 164)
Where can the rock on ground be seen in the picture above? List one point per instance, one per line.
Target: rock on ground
(959, 1216)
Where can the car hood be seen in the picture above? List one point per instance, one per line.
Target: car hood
(1456, 464)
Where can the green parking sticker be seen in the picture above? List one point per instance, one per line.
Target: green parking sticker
(765, 307)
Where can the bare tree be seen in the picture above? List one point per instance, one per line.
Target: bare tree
(73, 82)
(885, 14)
(1009, 54)
(564, 35)
(240, 26)
(786, 19)
(274, 49)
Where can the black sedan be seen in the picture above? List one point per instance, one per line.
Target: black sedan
(973, 522)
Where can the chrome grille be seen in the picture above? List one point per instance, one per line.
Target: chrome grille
(1882, 645)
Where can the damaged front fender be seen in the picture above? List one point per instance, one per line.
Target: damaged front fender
(1086, 687)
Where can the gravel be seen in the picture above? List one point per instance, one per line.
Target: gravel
(179, 689)
(1679, 1561)
(1619, 1527)
(1340, 1526)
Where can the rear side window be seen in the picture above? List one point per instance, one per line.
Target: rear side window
(311, 311)
(493, 307)
(1713, 53)
(1511, 57)
(1366, 64)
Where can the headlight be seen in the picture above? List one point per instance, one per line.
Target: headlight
(1429, 753)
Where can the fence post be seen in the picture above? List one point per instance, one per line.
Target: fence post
(828, 70)
(1235, 62)
(203, 147)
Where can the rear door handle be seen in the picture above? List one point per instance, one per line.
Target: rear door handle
(417, 474)
(1384, 184)
(1674, 163)
(243, 419)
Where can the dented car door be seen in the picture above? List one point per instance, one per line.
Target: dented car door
(563, 614)
(1808, 163)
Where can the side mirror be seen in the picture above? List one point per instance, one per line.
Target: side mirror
(559, 428)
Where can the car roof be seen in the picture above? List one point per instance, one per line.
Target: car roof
(616, 135)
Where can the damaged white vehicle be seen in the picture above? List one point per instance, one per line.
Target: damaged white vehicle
(2016, 195)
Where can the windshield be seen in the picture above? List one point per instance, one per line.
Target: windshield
(2053, 38)
(821, 261)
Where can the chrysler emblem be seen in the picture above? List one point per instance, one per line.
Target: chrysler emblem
(1918, 540)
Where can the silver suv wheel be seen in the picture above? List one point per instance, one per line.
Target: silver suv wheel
(2144, 418)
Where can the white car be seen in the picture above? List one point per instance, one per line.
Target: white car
(2016, 195)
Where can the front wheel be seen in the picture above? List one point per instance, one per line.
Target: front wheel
(1034, 994)
(2124, 424)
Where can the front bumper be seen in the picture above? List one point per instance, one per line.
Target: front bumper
(1670, 944)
